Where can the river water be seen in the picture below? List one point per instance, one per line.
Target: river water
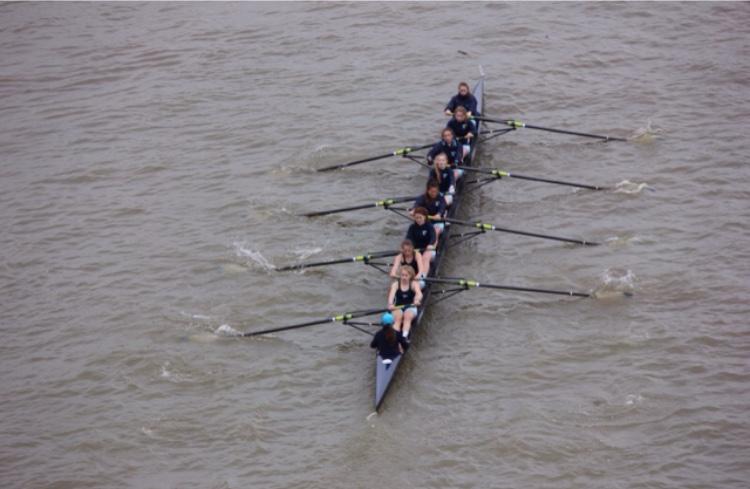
(156, 158)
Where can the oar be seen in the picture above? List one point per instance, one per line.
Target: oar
(339, 317)
(500, 174)
(518, 124)
(353, 259)
(491, 227)
(469, 284)
(385, 203)
(398, 152)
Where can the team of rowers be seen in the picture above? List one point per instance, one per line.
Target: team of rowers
(418, 248)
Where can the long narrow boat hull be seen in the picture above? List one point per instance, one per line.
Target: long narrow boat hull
(385, 373)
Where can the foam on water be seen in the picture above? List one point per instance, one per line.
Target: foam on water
(304, 253)
(227, 330)
(646, 134)
(616, 283)
(628, 187)
(255, 258)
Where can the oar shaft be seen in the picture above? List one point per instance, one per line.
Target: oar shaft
(353, 259)
(540, 291)
(398, 152)
(573, 133)
(286, 328)
(352, 163)
(300, 266)
(470, 284)
(547, 180)
(519, 124)
(492, 227)
(505, 174)
(332, 319)
(385, 203)
(343, 209)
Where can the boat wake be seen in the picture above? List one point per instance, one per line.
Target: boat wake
(615, 284)
(632, 188)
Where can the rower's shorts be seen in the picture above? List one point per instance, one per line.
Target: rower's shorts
(440, 226)
(412, 309)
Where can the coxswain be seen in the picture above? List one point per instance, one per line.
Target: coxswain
(408, 256)
(463, 128)
(445, 178)
(422, 234)
(463, 98)
(435, 204)
(449, 145)
(404, 298)
(388, 342)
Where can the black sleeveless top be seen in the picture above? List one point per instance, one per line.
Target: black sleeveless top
(404, 297)
(412, 263)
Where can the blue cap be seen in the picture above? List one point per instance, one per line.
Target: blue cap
(386, 319)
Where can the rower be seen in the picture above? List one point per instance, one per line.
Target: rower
(408, 256)
(449, 145)
(422, 234)
(445, 178)
(404, 292)
(388, 342)
(435, 204)
(464, 129)
(463, 98)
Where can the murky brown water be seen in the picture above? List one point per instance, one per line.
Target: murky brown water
(155, 159)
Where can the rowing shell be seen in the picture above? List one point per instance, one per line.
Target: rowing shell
(385, 371)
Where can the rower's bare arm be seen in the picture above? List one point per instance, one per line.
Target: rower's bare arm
(396, 266)
(392, 295)
(417, 293)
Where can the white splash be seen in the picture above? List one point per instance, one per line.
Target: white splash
(616, 283)
(199, 317)
(321, 147)
(255, 257)
(646, 134)
(226, 330)
(622, 241)
(304, 253)
(633, 399)
(628, 187)
(165, 373)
